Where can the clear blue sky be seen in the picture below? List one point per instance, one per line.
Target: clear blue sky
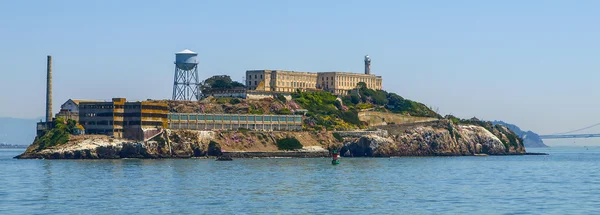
(532, 63)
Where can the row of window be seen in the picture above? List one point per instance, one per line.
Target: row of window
(294, 84)
(99, 106)
(113, 114)
(151, 107)
(255, 77)
(121, 123)
(343, 84)
(219, 126)
(194, 117)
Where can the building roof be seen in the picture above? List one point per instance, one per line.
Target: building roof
(186, 51)
(77, 101)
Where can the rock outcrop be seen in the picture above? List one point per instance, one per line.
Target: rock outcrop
(186, 144)
(530, 138)
(441, 138)
(435, 139)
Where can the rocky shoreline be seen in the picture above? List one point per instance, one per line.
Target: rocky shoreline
(441, 138)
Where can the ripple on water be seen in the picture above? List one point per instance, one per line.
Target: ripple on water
(556, 184)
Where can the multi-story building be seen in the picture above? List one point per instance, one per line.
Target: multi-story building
(280, 80)
(70, 109)
(289, 81)
(341, 82)
(132, 120)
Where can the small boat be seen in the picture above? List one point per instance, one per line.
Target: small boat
(222, 158)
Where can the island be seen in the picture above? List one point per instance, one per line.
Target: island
(366, 122)
(274, 113)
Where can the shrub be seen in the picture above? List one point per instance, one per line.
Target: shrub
(350, 116)
(364, 106)
(214, 149)
(58, 135)
(284, 111)
(288, 143)
(338, 104)
(338, 137)
(281, 98)
(234, 101)
(243, 130)
(222, 100)
(354, 99)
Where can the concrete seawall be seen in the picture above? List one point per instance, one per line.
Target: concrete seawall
(285, 154)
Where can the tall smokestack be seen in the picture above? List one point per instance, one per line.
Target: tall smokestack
(367, 65)
(49, 90)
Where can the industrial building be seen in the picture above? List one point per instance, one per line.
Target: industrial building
(70, 109)
(290, 81)
(119, 118)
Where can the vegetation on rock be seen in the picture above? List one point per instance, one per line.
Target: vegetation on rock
(365, 98)
(220, 82)
(58, 135)
(530, 138)
(214, 149)
(509, 138)
(288, 143)
(323, 113)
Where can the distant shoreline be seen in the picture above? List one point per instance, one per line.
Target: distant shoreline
(8, 146)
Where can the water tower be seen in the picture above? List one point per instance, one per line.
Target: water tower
(186, 85)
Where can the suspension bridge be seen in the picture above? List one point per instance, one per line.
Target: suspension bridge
(572, 134)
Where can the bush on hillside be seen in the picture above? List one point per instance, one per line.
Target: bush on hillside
(214, 149)
(58, 135)
(338, 137)
(235, 101)
(284, 111)
(288, 143)
(323, 113)
(281, 98)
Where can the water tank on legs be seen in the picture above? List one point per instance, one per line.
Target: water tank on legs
(186, 59)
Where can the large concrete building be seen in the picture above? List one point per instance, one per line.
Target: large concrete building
(289, 81)
(341, 82)
(119, 118)
(70, 109)
(280, 80)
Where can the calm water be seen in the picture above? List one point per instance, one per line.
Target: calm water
(565, 182)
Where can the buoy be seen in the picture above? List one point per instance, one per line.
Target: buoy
(335, 155)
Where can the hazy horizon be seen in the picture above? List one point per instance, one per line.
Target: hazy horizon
(531, 63)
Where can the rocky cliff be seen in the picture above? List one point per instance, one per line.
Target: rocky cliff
(530, 138)
(441, 138)
(185, 144)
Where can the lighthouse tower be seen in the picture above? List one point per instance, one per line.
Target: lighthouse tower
(367, 65)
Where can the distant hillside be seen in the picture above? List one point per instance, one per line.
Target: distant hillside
(531, 139)
(15, 131)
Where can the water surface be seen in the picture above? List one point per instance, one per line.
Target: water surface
(564, 182)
